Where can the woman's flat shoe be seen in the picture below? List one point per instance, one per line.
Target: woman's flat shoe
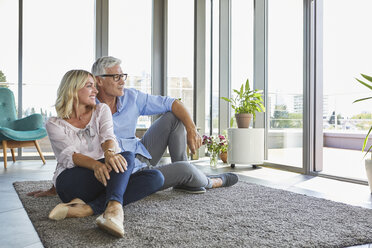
(60, 211)
(112, 225)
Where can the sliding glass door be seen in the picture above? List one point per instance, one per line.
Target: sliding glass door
(346, 53)
(285, 82)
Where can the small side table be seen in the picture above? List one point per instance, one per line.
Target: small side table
(246, 146)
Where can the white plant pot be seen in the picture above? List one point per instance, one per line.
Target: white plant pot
(246, 145)
(368, 164)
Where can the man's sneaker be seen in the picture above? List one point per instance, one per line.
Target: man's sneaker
(228, 179)
(189, 190)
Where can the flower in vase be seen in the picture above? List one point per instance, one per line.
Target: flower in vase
(216, 144)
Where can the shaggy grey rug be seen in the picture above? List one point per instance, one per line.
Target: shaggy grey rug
(245, 215)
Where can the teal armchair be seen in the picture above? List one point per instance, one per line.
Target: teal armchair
(15, 132)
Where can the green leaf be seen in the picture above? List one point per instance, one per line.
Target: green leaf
(226, 99)
(365, 84)
(263, 108)
(367, 77)
(366, 140)
(247, 85)
(362, 99)
(236, 92)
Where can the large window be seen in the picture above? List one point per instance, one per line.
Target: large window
(208, 69)
(8, 46)
(212, 66)
(241, 44)
(285, 82)
(346, 53)
(130, 40)
(56, 38)
(180, 62)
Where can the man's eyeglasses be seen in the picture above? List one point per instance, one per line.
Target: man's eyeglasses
(116, 77)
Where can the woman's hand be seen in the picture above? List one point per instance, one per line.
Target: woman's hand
(115, 161)
(101, 172)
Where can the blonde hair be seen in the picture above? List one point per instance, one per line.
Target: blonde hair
(67, 93)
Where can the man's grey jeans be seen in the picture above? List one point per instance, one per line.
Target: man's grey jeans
(169, 131)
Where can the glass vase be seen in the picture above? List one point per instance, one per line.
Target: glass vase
(213, 159)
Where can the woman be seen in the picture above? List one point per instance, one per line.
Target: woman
(91, 177)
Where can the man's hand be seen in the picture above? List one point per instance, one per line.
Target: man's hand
(41, 193)
(115, 161)
(194, 140)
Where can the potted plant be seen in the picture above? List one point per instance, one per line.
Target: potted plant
(368, 162)
(246, 103)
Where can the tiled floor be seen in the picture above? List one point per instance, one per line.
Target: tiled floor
(336, 161)
(18, 231)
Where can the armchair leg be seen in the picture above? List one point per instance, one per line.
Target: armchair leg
(39, 151)
(4, 152)
(13, 156)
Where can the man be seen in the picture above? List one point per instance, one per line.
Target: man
(127, 105)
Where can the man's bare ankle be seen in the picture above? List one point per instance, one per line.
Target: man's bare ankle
(216, 182)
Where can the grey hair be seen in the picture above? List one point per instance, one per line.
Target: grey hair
(99, 67)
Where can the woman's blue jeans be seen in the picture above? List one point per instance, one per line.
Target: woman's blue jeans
(124, 187)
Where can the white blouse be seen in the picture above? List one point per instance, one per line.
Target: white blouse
(67, 139)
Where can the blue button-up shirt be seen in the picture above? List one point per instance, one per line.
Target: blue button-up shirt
(129, 107)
